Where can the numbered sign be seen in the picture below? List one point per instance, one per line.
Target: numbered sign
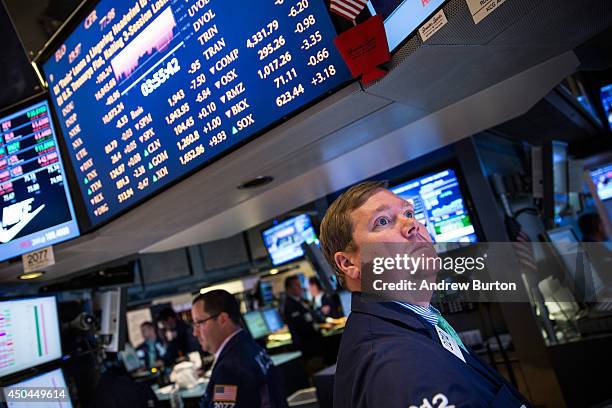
(38, 260)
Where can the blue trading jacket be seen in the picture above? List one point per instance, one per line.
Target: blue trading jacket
(391, 357)
(243, 377)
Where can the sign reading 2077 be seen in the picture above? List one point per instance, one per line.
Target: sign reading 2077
(37, 260)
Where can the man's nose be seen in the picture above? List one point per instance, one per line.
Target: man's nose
(409, 227)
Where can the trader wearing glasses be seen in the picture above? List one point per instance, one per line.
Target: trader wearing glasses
(243, 375)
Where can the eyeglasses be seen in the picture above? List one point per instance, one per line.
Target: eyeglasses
(200, 323)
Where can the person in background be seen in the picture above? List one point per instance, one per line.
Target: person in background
(151, 351)
(324, 305)
(592, 228)
(302, 325)
(117, 389)
(398, 354)
(243, 375)
(596, 245)
(178, 336)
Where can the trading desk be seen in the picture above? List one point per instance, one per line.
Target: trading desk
(191, 396)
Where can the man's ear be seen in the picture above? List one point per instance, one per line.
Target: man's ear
(348, 264)
(223, 317)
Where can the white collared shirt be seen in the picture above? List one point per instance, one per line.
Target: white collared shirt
(318, 301)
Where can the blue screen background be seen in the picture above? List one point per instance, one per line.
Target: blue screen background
(32, 182)
(157, 59)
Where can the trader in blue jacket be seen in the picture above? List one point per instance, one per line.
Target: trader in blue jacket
(395, 354)
(243, 375)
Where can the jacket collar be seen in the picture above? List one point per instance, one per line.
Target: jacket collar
(237, 337)
(362, 303)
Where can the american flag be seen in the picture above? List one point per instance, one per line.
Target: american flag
(347, 8)
(225, 393)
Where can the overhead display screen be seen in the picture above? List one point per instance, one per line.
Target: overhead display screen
(439, 204)
(284, 241)
(148, 91)
(36, 205)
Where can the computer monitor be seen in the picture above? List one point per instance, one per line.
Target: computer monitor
(440, 205)
(266, 292)
(52, 381)
(37, 208)
(606, 100)
(345, 300)
(256, 324)
(599, 180)
(284, 241)
(29, 334)
(273, 319)
(130, 358)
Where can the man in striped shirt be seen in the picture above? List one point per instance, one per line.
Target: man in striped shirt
(396, 354)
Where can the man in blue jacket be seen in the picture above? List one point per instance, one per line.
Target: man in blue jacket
(396, 354)
(243, 375)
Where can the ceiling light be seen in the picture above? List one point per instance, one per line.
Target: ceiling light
(31, 275)
(273, 271)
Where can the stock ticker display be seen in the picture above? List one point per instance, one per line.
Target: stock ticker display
(148, 91)
(440, 206)
(36, 206)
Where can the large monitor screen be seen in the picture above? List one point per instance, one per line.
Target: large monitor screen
(149, 91)
(273, 319)
(284, 241)
(29, 334)
(256, 324)
(606, 100)
(602, 180)
(402, 17)
(54, 385)
(439, 204)
(36, 205)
